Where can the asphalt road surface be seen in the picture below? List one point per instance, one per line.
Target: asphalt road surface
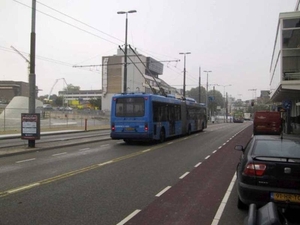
(182, 181)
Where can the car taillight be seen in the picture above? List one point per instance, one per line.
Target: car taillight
(146, 127)
(113, 127)
(255, 169)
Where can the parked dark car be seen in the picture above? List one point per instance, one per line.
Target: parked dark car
(269, 170)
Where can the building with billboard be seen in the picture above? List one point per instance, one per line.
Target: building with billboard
(142, 75)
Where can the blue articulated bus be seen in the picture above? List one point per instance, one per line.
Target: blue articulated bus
(151, 117)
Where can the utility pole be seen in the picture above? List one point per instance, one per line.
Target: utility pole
(32, 90)
(199, 84)
(184, 70)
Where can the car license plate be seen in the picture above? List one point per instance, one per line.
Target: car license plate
(129, 128)
(282, 197)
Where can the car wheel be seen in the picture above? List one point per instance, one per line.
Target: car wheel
(241, 205)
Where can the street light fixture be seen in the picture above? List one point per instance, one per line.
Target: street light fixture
(125, 52)
(184, 70)
(207, 71)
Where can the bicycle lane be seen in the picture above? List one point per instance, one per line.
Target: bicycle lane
(196, 198)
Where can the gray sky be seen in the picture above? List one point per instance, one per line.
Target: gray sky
(232, 38)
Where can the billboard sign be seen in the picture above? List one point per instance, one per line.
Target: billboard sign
(155, 66)
(30, 126)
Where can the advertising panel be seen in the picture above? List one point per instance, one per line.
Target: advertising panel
(30, 126)
(155, 66)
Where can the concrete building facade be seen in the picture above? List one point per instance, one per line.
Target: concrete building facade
(10, 89)
(285, 67)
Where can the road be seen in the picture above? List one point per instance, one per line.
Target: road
(182, 181)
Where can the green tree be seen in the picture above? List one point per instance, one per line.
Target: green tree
(59, 101)
(194, 93)
(215, 99)
(72, 88)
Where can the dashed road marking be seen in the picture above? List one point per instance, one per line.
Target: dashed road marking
(184, 175)
(163, 191)
(129, 217)
(26, 160)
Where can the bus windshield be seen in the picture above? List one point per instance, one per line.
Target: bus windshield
(130, 107)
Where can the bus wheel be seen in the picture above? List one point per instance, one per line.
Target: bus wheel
(202, 128)
(162, 136)
(189, 130)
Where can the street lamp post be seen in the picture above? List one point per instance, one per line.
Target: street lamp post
(125, 52)
(207, 71)
(184, 70)
(225, 105)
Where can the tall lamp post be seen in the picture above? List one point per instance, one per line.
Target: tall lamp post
(125, 52)
(225, 106)
(184, 70)
(207, 71)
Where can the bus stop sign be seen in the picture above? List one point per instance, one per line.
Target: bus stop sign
(287, 104)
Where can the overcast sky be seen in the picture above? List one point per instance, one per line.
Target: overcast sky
(232, 38)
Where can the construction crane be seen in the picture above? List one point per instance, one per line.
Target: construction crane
(48, 99)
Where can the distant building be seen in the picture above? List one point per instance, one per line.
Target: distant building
(80, 97)
(11, 89)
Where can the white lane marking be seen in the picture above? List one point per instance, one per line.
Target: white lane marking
(214, 151)
(207, 157)
(184, 175)
(58, 154)
(129, 217)
(84, 149)
(220, 147)
(104, 145)
(23, 188)
(224, 201)
(224, 144)
(147, 150)
(120, 142)
(198, 164)
(163, 191)
(105, 163)
(26, 160)
(170, 143)
(185, 138)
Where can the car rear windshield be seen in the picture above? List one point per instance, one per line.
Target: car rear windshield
(277, 148)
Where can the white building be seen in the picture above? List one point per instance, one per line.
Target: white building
(285, 66)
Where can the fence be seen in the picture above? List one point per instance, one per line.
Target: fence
(10, 119)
